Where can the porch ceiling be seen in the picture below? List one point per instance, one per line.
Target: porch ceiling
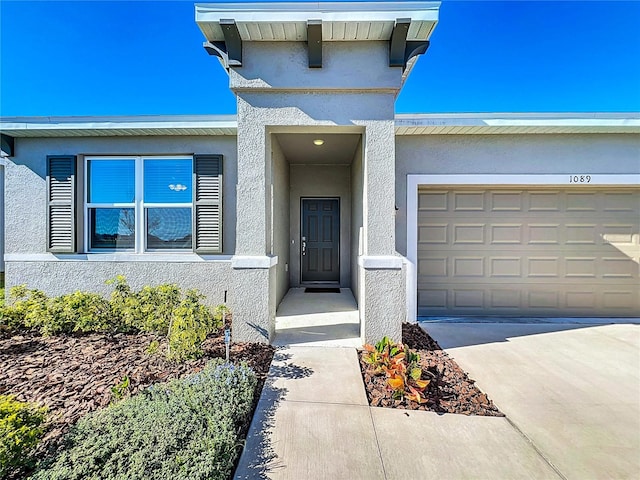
(337, 149)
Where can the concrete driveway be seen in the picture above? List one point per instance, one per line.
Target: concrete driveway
(572, 389)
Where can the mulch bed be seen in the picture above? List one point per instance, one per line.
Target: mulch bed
(450, 390)
(74, 374)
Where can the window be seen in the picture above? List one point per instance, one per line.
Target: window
(135, 204)
(139, 204)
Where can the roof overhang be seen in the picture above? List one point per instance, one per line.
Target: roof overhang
(405, 124)
(406, 25)
(516, 123)
(118, 126)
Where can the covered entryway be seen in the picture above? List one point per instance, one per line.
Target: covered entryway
(317, 218)
(320, 241)
(528, 251)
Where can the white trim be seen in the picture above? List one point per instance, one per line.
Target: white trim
(554, 180)
(326, 11)
(3, 161)
(253, 261)
(386, 262)
(187, 257)
(482, 181)
(405, 124)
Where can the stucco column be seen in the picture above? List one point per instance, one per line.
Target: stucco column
(253, 301)
(251, 235)
(382, 272)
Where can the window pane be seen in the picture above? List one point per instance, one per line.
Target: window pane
(167, 181)
(111, 181)
(112, 228)
(168, 228)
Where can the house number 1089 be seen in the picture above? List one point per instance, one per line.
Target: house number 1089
(579, 178)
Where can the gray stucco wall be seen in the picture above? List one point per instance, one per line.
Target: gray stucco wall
(345, 66)
(27, 260)
(509, 154)
(321, 181)
(212, 278)
(356, 219)
(2, 217)
(280, 217)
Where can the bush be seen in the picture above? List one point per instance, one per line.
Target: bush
(162, 309)
(149, 310)
(185, 429)
(192, 322)
(20, 431)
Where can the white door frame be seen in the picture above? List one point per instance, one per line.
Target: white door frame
(414, 181)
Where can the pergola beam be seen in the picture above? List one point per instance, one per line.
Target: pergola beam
(314, 43)
(401, 50)
(230, 51)
(7, 145)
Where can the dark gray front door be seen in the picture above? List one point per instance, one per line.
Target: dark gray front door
(320, 245)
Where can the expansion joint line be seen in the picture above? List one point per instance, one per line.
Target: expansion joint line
(375, 433)
(535, 447)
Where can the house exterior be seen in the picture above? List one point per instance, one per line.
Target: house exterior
(316, 181)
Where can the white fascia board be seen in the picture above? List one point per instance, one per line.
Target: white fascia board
(16, 125)
(519, 120)
(326, 11)
(103, 124)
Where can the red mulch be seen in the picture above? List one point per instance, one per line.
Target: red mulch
(450, 390)
(73, 374)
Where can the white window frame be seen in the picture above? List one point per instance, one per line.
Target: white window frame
(138, 205)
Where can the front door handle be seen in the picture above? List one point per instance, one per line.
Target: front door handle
(304, 246)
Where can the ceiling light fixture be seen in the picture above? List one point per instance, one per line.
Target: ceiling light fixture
(318, 142)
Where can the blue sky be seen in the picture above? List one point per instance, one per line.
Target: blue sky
(146, 57)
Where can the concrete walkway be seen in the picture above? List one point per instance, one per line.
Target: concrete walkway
(573, 390)
(570, 392)
(313, 422)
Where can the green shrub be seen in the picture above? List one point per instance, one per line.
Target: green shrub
(148, 310)
(192, 322)
(30, 308)
(20, 431)
(81, 312)
(185, 429)
(163, 309)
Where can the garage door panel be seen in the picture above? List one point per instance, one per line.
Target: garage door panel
(468, 233)
(537, 252)
(535, 300)
(468, 201)
(474, 263)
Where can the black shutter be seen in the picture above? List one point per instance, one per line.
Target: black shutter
(207, 203)
(61, 203)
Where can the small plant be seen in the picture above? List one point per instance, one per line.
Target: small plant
(401, 366)
(191, 323)
(152, 348)
(20, 431)
(81, 312)
(120, 389)
(148, 310)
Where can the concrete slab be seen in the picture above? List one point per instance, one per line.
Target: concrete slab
(313, 441)
(573, 390)
(455, 447)
(318, 319)
(311, 374)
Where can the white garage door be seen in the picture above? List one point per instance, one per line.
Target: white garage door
(529, 252)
